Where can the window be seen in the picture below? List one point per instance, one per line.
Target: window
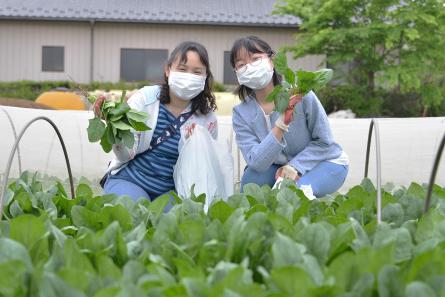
(53, 58)
(229, 74)
(143, 64)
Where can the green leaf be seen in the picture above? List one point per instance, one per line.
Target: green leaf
(120, 109)
(105, 143)
(24, 200)
(12, 250)
(109, 292)
(122, 99)
(15, 210)
(306, 81)
(363, 287)
(113, 213)
(115, 118)
(280, 63)
(96, 129)
(427, 226)
(282, 101)
(107, 268)
(110, 135)
(361, 238)
(289, 76)
(367, 185)
(52, 285)
(294, 281)
(127, 138)
(416, 289)
(83, 190)
(393, 213)
(277, 89)
(109, 105)
(220, 211)
(316, 238)
(138, 126)
(389, 282)
(138, 116)
(286, 252)
(322, 77)
(157, 206)
(13, 279)
(255, 191)
(121, 125)
(256, 208)
(28, 230)
(83, 217)
(400, 238)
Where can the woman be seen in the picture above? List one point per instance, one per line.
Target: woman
(299, 146)
(174, 108)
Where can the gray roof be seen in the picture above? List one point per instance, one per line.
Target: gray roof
(212, 12)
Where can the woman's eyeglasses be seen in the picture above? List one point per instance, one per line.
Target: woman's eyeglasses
(240, 68)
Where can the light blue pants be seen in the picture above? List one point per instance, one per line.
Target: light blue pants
(325, 178)
(121, 187)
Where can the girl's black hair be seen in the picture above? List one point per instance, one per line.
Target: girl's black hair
(204, 102)
(252, 44)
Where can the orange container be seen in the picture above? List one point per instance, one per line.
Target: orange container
(61, 100)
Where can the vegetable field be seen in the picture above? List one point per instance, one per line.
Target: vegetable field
(260, 243)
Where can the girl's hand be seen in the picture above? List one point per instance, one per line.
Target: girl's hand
(288, 172)
(286, 118)
(289, 112)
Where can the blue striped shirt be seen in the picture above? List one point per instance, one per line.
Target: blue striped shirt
(153, 170)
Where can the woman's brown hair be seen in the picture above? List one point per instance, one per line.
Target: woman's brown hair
(205, 101)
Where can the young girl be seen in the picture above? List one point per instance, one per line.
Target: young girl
(299, 146)
(174, 108)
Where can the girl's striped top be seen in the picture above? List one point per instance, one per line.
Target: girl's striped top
(153, 169)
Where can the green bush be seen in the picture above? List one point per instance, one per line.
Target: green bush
(382, 103)
(402, 105)
(218, 87)
(32, 89)
(335, 98)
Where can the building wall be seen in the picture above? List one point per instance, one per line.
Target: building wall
(21, 50)
(21, 46)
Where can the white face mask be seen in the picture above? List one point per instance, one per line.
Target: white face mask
(186, 85)
(256, 77)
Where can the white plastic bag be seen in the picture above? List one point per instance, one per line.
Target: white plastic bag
(205, 163)
(307, 189)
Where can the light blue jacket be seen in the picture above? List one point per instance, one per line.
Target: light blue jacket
(308, 142)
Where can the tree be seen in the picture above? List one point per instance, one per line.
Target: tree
(398, 45)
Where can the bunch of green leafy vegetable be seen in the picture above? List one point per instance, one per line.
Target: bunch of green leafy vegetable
(259, 243)
(113, 123)
(295, 82)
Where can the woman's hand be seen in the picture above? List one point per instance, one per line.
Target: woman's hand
(288, 172)
(286, 118)
(97, 105)
(289, 112)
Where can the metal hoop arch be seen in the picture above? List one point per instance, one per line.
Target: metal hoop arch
(375, 126)
(433, 175)
(14, 148)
